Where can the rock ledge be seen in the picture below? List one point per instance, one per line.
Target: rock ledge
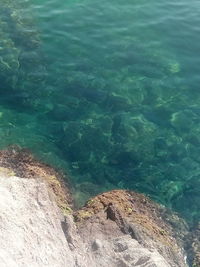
(118, 228)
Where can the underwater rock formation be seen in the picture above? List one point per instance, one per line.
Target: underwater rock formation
(21, 68)
(117, 228)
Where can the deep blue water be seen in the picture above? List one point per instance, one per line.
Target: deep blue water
(109, 91)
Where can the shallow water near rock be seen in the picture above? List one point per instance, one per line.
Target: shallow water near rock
(108, 91)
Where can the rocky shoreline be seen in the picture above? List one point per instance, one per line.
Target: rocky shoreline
(120, 228)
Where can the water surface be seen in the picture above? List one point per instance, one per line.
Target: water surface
(107, 90)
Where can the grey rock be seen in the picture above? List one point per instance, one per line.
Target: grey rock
(34, 233)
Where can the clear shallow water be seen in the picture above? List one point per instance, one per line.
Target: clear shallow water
(108, 90)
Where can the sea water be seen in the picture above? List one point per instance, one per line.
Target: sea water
(108, 91)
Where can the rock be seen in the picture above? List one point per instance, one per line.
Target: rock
(20, 162)
(117, 228)
(30, 223)
(132, 227)
(15, 40)
(193, 245)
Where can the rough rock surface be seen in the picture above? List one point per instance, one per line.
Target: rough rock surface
(193, 246)
(35, 233)
(133, 226)
(116, 229)
(30, 223)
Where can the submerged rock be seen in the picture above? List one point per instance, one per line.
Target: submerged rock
(17, 36)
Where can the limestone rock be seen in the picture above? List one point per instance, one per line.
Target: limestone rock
(35, 233)
(30, 223)
(117, 229)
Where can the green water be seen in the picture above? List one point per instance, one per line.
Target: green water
(108, 91)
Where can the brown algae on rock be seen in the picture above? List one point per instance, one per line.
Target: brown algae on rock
(20, 162)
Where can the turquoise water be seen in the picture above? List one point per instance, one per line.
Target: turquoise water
(108, 91)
